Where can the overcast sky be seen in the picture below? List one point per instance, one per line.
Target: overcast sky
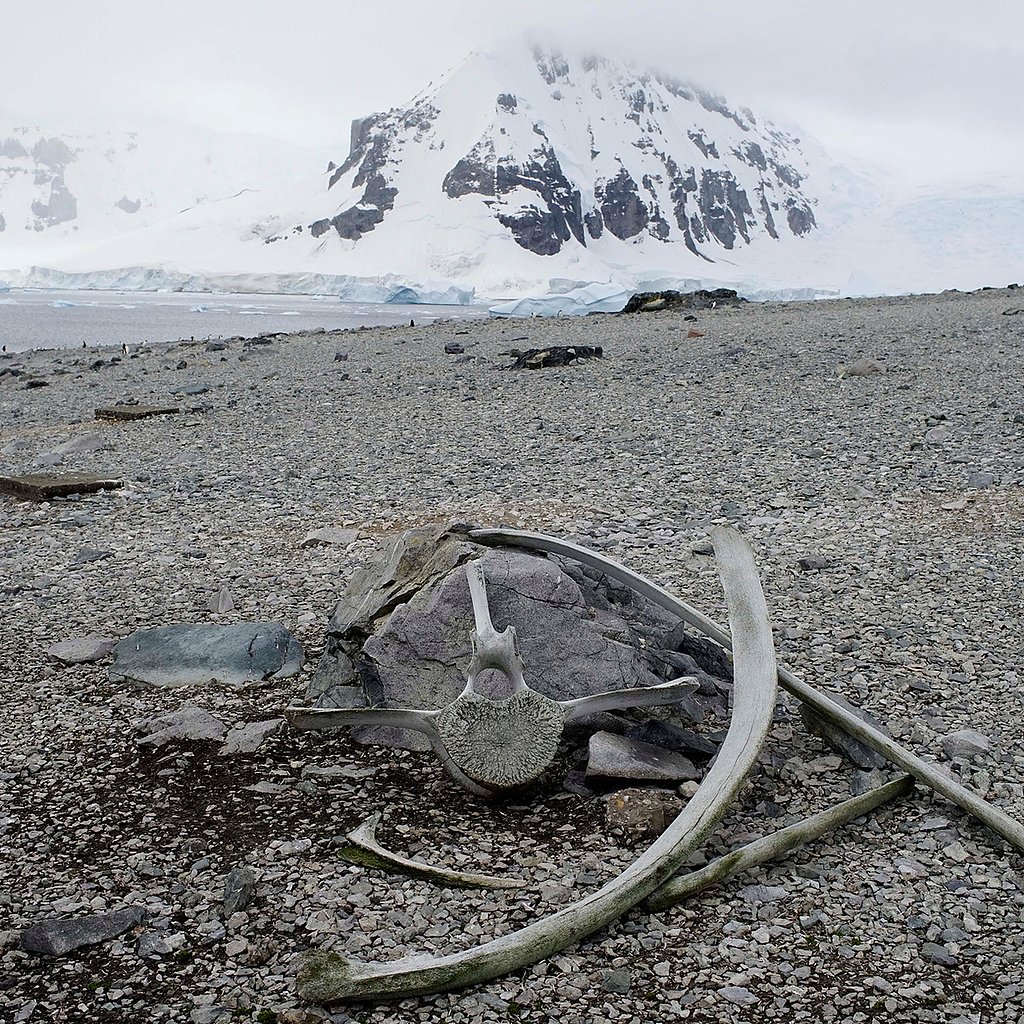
(931, 87)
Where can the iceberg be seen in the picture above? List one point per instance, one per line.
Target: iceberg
(591, 298)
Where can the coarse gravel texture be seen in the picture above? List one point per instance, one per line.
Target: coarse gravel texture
(906, 485)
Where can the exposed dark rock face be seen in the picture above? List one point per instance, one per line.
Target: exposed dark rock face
(507, 101)
(52, 153)
(12, 149)
(62, 205)
(542, 228)
(800, 219)
(725, 207)
(706, 147)
(3, 223)
(376, 150)
(129, 205)
(474, 173)
(622, 209)
(552, 66)
(766, 210)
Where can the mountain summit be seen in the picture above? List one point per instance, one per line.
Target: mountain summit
(557, 154)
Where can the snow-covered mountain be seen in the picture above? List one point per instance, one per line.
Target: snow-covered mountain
(526, 169)
(61, 189)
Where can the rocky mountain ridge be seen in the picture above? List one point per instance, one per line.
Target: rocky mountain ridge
(660, 159)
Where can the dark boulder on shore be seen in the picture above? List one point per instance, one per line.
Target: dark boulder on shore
(650, 302)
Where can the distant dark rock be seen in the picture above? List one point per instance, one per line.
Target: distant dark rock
(701, 299)
(129, 205)
(555, 355)
(453, 348)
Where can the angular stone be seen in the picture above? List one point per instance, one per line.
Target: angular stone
(842, 743)
(738, 995)
(756, 895)
(60, 935)
(185, 654)
(79, 650)
(328, 535)
(91, 442)
(616, 757)
(812, 563)
(238, 889)
(221, 602)
(44, 486)
(617, 981)
(673, 737)
(965, 744)
(135, 412)
(246, 739)
(863, 782)
(864, 367)
(642, 812)
(187, 723)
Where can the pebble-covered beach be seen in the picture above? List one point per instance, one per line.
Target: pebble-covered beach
(871, 451)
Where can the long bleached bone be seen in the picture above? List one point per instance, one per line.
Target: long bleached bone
(490, 746)
(997, 820)
(326, 977)
(364, 849)
(775, 845)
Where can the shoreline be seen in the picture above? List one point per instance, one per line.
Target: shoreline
(906, 484)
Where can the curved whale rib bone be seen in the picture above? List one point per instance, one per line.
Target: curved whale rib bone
(351, 718)
(998, 821)
(364, 849)
(776, 844)
(326, 977)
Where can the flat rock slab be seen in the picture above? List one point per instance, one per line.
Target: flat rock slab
(330, 535)
(82, 649)
(184, 654)
(60, 935)
(43, 486)
(617, 757)
(246, 739)
(187, 723)
(135, 412)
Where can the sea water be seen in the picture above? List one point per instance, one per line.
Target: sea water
(55, 319)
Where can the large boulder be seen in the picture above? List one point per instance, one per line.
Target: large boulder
(186, 654)
(400, 635)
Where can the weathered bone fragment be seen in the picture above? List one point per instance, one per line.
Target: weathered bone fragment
(365, 850)
(488, 745)
(998, 821)
(327, 977)
(777, 844)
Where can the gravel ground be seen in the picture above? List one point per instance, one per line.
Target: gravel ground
(907, 483)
